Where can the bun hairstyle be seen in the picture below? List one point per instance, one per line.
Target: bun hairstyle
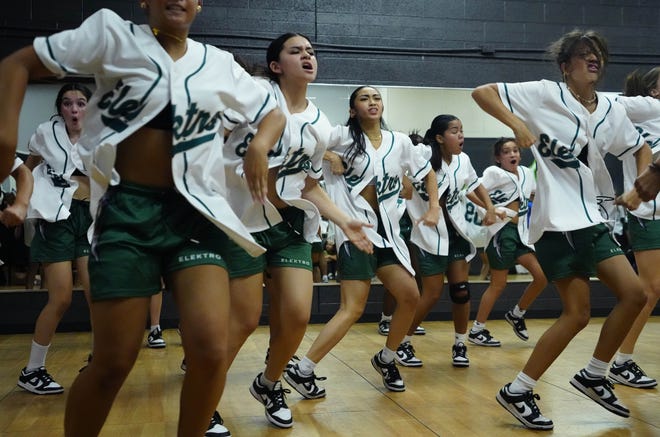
(439, 126)
(275, 48)
(70, 87)
(565, 47)
(638, 84)
(499, 144)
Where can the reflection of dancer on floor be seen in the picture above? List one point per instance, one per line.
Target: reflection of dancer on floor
(510, 186)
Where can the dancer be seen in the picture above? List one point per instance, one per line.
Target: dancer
(152, 147)
(60, 206)
(375, 160)
(445, 248)
(510, 186)
(566, 224)
(641, 100)
(286, 224)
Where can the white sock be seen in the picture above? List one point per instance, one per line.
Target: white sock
(621, 358)
(597, 367)
(407, 339)
(522, 384)
(37, 356)
(477, 327)
(266, 382)
(460, 338)
(384, 317)
(518, 312)
(387, 355)
(154, 327)
(306, 366)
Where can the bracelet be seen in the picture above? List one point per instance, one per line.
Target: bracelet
(655, 166)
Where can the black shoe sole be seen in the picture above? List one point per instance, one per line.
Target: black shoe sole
(529, 425)
(585, 391)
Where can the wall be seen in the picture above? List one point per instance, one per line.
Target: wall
(437, 43)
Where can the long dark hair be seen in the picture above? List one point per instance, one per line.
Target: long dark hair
(439, 126)
(638, 84)
(70, 87)
(275, 48)
(358, 147)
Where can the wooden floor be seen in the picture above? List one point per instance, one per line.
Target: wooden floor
(439, 399)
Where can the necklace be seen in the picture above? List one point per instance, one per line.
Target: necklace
(582, 100)
(375, 138)
(156, 31)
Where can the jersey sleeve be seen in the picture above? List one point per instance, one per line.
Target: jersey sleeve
(322, 133)
(17, 163)
(472, 180)
(80, 50)
(490, 178)
(626, 138)
(522, 98)
(415, 159)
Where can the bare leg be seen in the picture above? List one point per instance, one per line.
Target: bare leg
(456, 273)
(493, 292)
(116, 348)
(538, 284)
(395, 277)
(576, 308)
(60, 285)
(246, 304)
(431, 291)
(618, 275)
(353, 299)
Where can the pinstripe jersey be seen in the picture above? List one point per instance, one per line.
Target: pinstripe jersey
(570, 195)
(503, 188)
(644, 112)
(53, 185)
(385, 167)
(298, 154)
(136, 79)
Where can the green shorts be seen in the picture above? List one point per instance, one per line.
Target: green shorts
(352, 263)
(64, 240)
(506, 247)
(142, 234)
(284, 243)
(317, 247)
(429, 264)
(644, 234)
(566, 254)
(459, 247)
(405, 226)
(605, 246)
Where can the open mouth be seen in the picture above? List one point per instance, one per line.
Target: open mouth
(308, 66)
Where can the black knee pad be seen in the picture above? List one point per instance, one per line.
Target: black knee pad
(459, 292)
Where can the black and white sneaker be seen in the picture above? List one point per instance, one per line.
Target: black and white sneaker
(523, 407)
(38, 382)
(483, 338)
(518, 325)
(630, 374)
(217, 427)
(391, 377)
(155, 339)
(405, 355)
(599, 389)
(384, 327)
(305, 385)
(420, 330)
(277, 411)
(459, 355)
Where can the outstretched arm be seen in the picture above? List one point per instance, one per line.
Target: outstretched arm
(15, 72)
(351, 227)
(15, 213)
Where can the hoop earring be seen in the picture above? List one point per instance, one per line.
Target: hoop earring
(143, 5)
(199, 8)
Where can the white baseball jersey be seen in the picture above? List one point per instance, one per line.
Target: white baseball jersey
(644, 112)
(570, 194)
(136, 79)
(298, 154)
(53, 185)
(462, 180)
(505, 187)
(385, 167)
(432, 239)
